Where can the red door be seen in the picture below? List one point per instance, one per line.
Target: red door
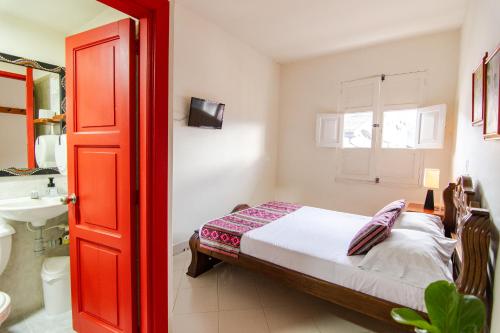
(101, 175)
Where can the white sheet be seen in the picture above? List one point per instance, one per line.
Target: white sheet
(314, 241)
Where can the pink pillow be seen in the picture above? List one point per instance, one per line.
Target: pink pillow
(374, 232)
(395, 205)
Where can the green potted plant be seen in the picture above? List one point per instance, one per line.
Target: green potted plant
(448, 310)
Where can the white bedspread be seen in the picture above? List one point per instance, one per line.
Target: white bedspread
(314, 241)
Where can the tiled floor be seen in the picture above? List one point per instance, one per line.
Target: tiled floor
(39, 322)
(226, 299)
(229, 299)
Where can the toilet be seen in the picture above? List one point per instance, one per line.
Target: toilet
(6, 232)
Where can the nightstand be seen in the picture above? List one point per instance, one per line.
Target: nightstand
(419, 208)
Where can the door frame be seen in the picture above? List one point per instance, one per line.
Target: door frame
(154, 158)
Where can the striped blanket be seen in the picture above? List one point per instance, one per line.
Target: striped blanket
(223, 235)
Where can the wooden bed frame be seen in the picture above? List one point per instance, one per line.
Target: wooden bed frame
(473, 264)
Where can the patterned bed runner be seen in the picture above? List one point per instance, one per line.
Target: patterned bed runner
(223, 235)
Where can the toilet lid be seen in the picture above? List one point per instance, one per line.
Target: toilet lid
(4, 302)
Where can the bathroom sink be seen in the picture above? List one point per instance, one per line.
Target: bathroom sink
(36, 211)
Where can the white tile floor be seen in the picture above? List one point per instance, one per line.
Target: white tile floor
(39, 322)
(229, 299)
(226, 299)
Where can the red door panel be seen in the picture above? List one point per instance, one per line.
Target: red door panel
(97, 187)
(100, 58)
(99, 267)
(101, 173)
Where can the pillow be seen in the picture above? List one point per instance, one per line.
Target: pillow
(372, 233)
(395, 205)
(418, 258)
(421, 222)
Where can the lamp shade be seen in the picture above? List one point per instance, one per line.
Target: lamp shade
(431, 178)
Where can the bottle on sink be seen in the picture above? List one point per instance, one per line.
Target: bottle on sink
(51, 188)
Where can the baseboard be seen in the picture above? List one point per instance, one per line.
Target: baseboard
(180, 247)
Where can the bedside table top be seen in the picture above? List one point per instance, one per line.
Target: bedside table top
(419, 208)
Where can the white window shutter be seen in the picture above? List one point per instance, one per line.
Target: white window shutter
(400, 91)
(328, 129)
(359, 95)
(431, 122)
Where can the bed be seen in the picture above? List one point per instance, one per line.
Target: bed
(312, 258)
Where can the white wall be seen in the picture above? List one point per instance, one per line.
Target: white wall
(216, 169)
(306, 173)
(108, 15)
(480, 33)
(13, 139)
(24, 39)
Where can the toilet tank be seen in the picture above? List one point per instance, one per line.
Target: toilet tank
(6, 232)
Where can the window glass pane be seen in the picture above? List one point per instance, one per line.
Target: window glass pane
(399, 129)
(357, 130)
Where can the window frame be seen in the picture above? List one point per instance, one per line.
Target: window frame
(372, 173)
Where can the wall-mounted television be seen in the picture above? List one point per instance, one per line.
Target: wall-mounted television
(205, 113)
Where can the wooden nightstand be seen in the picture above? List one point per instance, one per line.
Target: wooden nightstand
(419, 208)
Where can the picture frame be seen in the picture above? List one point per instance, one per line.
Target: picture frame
(478, 92)
(491, 124)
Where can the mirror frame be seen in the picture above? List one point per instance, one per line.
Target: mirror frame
(25, 62)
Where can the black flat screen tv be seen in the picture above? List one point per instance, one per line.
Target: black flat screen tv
(205, 113)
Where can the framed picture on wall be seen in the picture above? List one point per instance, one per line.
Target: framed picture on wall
(478, 92)
(491, 126)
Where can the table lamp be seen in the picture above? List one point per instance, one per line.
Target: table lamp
(431, 181)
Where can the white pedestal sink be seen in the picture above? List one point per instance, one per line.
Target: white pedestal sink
(36, 211)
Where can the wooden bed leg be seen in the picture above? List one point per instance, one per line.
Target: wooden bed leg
(200, 262)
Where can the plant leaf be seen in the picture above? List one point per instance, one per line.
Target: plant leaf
(409, 317)
(471, 314)
(442, 301)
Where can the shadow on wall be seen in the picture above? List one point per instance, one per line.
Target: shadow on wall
(215, 192)
(350, 197)
(495, 238)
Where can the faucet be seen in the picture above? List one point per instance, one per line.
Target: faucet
(35, 194)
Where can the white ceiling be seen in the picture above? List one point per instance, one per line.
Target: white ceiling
(61, 15)
(289, 30)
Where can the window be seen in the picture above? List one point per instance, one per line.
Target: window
(357, 130)
(381, 128)
(399, 129)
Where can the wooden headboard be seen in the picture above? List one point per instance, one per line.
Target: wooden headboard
(475, 256)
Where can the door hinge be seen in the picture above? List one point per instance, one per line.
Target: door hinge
(377, 180)
(382, 77)
(376, 125)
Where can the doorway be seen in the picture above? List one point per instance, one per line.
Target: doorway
(154, 158)
(148, 273)
(153, 167)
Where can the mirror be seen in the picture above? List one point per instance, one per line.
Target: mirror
(32, 115)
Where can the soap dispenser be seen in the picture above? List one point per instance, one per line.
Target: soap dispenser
(51, 188)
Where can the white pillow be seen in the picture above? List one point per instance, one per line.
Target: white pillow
(421, 222)
(418, 258)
